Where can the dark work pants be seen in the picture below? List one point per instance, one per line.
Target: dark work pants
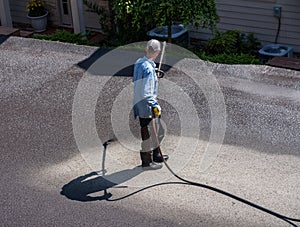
(149, 141)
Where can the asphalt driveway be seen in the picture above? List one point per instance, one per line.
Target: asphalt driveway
(56, 114)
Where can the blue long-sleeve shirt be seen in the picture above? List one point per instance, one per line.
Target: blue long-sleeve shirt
(145, 88)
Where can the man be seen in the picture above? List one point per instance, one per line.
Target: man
(146, 107)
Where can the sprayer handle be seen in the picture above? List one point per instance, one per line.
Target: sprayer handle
(159, 73)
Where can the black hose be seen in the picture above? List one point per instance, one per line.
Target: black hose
(282, 217)
(143, 189)
(188, 182)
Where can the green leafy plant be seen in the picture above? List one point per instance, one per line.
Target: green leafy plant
(36, 8)
(232, 59)
(140, 15)
(249, 44)
(64, 36)
(232, 42)
(230, 47)
(226, 42)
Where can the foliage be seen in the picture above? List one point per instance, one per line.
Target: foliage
(249, 44)
(232, 42)
(36, 8)
(226, 42)
(224, 58)
(117, 35)
(232, 59)
(133, 15)
(116, 40)
(230, 47)
(64, 36)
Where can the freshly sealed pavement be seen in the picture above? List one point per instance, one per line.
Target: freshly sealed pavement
(57, 111)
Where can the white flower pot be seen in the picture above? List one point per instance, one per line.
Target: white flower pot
(39, 24)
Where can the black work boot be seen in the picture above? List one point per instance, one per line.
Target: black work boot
(147, 163)
(157, 156)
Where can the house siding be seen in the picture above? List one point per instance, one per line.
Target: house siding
(91, 18)
(257, 16)
(19, 14)
(18, 10)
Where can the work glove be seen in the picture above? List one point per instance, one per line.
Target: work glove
(157, 111)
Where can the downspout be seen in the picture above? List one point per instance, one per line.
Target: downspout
(77, 17)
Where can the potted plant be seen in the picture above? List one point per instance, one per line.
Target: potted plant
(37, 14)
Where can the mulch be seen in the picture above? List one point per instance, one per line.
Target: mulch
(285, 62)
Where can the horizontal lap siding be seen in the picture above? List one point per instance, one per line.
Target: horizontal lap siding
(91, 19)
(257, 16)
(19, 13)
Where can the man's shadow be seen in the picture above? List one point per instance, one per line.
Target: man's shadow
(80, 188)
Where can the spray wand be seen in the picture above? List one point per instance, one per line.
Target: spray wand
(160, 73)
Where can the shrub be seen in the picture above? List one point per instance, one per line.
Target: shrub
(226, 42)
(64, 36)
(232, 42)
(249, 44)
(232, 59)
(231, 47)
